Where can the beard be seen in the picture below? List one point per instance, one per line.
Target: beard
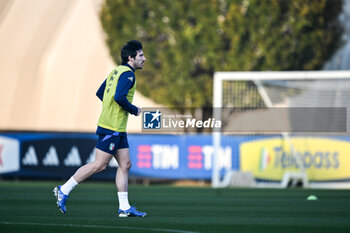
(139, 66)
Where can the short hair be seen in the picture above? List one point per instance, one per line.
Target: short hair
(130, 49)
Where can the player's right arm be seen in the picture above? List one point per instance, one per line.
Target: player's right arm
(123, 86)
(101, 90)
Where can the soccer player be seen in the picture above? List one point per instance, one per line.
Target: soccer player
(116, 94)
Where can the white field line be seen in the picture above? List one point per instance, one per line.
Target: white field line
(97, 227)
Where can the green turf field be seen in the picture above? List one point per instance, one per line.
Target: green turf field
(30, 207)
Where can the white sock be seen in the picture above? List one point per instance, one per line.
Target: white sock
(69, 186)
(123, 200)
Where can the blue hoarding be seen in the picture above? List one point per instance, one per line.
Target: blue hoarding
(58, 155)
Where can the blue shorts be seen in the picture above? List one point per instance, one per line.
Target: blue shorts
(111, 143)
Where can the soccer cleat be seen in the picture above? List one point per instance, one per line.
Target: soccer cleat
(131, 212)
(61, 199)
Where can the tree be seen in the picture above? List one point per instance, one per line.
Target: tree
(186, 41)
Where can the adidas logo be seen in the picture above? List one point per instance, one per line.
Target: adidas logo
(113, 163)
(51, 158)
(73, 158)
(30, 158)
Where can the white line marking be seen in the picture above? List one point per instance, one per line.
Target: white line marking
(97, 226)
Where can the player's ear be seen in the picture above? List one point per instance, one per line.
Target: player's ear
(130, 58)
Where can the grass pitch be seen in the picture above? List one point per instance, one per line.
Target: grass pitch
(30, 207)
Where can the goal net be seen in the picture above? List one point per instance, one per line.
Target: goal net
(277, 121)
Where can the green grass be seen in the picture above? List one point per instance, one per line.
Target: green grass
(30, 207)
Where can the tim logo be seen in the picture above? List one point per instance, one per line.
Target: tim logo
(152, 120)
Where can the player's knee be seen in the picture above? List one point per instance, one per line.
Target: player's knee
(99, 166)
(103, 167)
(125, 166)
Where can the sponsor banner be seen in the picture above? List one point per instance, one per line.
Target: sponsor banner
(177, 156)
(56, 157)
(9, 155)
(324, 159)
(52, 155)
(155, 156)
(190, 156)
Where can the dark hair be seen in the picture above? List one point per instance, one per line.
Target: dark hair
(130, 49)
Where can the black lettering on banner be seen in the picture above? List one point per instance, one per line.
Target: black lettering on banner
(336, 160)
(328, 162)
(318, 159)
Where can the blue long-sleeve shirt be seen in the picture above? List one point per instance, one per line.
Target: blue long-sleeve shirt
(123, 87)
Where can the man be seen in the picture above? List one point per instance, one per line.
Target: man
(116, 94)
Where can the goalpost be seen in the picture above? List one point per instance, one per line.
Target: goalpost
(244, 96)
